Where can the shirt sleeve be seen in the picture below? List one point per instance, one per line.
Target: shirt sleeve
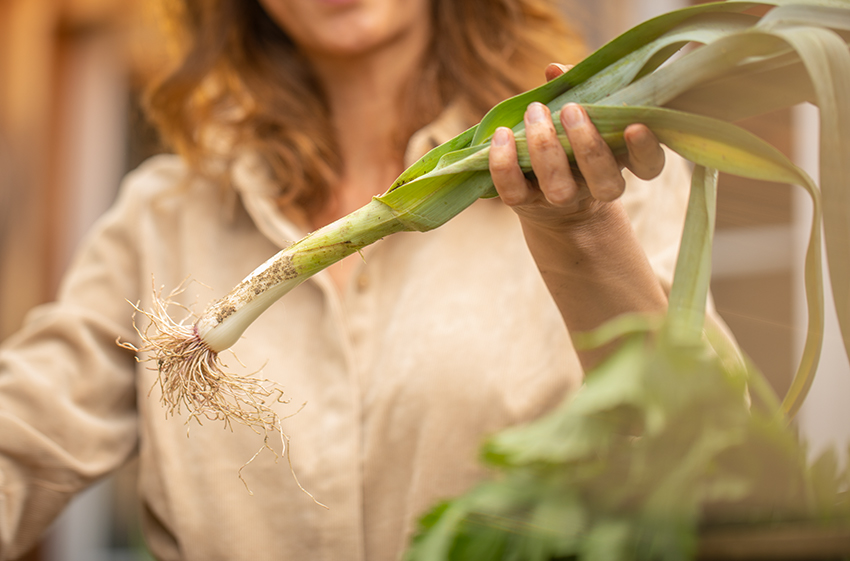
(67, 390)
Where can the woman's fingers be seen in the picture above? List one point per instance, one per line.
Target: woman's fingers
(645, 156)
(597, 163)
(553, 184)
(548, 159)
(513, 187)
(555, 69)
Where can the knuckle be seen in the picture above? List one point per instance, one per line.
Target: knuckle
(610, 190)
(545, 144)
(591, 148)
(561, 197)
(512, 197)
(559, 189)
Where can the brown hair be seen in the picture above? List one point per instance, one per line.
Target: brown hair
(239, 72)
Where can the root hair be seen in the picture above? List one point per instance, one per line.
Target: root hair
(192, 377)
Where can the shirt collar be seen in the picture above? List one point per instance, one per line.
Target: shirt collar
(252, 179)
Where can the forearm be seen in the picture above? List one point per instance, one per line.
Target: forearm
(595, 270)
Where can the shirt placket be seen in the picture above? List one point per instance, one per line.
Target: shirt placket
(257, 195)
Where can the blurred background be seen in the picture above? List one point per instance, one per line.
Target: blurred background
(71, 74)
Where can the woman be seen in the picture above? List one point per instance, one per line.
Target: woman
(288, 114)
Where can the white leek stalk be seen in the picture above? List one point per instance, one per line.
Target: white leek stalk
(226, 319)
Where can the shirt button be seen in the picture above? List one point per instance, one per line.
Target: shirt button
(363, 282)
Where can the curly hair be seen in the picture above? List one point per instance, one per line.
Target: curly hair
(239, 72)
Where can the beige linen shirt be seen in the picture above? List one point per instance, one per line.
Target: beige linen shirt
(439, 340)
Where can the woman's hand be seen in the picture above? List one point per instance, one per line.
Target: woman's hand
(575, 228)
(555, 195)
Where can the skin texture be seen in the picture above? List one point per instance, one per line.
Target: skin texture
(363, 51)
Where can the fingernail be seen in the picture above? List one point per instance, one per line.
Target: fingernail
(535, 112)
(501, 136)
(573, 115)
